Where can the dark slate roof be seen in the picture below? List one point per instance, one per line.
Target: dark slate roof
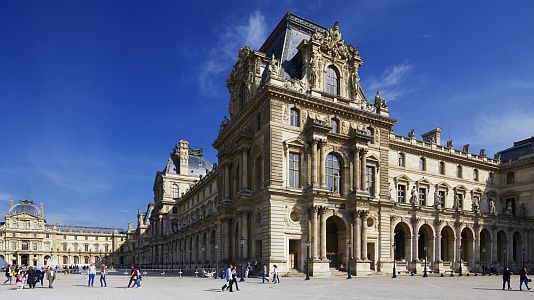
(284, 40)
(520, 148)
(198, 165)
(83, 229)
(25, 207)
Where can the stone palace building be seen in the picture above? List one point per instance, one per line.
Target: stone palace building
(310, 167)
(27, 240)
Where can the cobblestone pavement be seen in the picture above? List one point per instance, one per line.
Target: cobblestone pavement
(404, 287)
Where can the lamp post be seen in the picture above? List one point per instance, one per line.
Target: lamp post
(182, 257)
(242, 240)
(424, 271)
(203, 249)
(307, 260)
(460, 260)
(216, 261)
(483, 261)
(349, 253)
(394, 266)
(504, 261)
(523, 258)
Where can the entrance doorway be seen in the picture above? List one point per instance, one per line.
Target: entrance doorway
(371, 254)
(24, 259)
(294, 246)
(335, 241)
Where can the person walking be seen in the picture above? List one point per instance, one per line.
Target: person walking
(50, 276)
(276, 277)
(31, 277)
(264, 274)
(228, 277)
(133, 276)
(234, 279)
(103, 273)
(92, 272)
(19, 281)
(523, 278)
(9, 276)
(506, 278)
(139, 278)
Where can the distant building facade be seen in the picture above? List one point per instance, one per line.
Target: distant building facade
(309, 169)
(27, 240)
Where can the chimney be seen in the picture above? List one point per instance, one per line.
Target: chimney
(433, 136)
(42, 209)
(184, 157)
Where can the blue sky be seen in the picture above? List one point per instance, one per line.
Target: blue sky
(94, 94)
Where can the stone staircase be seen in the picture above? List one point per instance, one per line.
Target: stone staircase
(336, 273)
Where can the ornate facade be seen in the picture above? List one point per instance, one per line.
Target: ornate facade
(26, 239)
(308, 167)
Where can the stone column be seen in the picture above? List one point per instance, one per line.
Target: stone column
(226, 181)
(245, 169)
(415, 243)
(357, 236)
(363, 166)
(244, 233)
(357, 178)
(434, 249)
(364, 235)
(323, 232)
(313, 235)
(314, 164)
(226, 238)
(321, 164)
(476, 246)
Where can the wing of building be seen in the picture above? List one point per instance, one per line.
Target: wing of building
(27, 240)
(309, 167)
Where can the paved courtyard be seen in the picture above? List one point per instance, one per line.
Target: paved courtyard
(405, 287)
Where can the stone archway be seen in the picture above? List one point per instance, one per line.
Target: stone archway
(485, 246)
(335, 241)
(402, 242)
(517, 247)
(447, 244)
(425, 235)
(502, 241)
(467, 245)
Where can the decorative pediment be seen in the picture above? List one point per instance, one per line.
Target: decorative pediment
(402, 178)
(332, 44)
(460, 188)
(443, 185)
(423, 181)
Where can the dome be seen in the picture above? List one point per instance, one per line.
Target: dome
(25, 207)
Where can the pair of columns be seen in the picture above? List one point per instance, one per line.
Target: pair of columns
(317, 162)
(358, 169)
(229, 244)
(244, 174)
(360, 234)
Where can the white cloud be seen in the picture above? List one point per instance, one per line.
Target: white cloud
(224, 53)
(498, 130)
(6, 196)
(395, 82)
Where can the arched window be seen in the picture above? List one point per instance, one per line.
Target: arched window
(441, 168)
(175, 191)
(334, 123)
(65, 260)
(294, 117)
(422, 164)
(459, 172)
(475, 174)
(402, 160)
(333, 174)
(332, 81)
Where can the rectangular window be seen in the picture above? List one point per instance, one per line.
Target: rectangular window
(422, 196)
(370, 180)
(47, 247)
(86, 248)
(294, 118)
(401, 193)
(294, 170)
(25, 246)
(13, 245)
(34, 246)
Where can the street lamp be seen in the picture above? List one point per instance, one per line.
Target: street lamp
(523, 258)
(460, 259)
(349, 252)
(394, 266)
(203, 249)
(216, 260)
(424, 271)
(307, 260)
(483, 261)
(242, 240)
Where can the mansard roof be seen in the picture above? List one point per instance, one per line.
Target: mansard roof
(197, 163)
(520, 148)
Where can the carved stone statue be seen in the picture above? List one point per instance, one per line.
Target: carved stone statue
(523, 212)
(466, 148)
(437, 200)
(413, 196)
(412, 134)
(483, 152)
(491, 205)
(274, 67)
(314, 70)
(449, 144)
(509, 209)
(476, 203)
(457, 202)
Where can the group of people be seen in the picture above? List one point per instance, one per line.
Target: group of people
(231, 278)
(30, 277)
(523, 279)
(135, 277)
(92, 272)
